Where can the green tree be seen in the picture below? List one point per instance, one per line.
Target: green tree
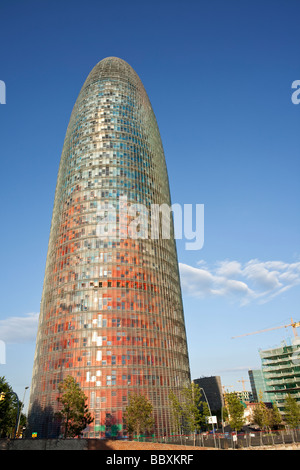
(138, 414)
(205, 413)
(275, 419)
(189, 411)
(291, 411)
(235, 411)
(9, 408)
(176, 412)
(74, 413)
(260, 415)
(191, 407)
(266, 417)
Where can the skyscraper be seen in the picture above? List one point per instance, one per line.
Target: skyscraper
(111, 311)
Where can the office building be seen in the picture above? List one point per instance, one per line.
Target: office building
(258, 385)
(212, 388)
(111, 310)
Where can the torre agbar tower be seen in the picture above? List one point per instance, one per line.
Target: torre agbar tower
(111, 311)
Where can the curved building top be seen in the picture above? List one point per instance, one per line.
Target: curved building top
(114, 68)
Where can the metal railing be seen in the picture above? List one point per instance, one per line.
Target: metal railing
(231, 440)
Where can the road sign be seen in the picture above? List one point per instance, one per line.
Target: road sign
(212, 420)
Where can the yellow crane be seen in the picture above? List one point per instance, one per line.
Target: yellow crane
(223, 386)
(243, 382)
(293, 324)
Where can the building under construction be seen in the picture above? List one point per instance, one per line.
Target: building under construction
(281, 371)
(280, 368)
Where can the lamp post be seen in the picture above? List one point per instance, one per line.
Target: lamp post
(18, 413)
(19, 418)
(213, 428)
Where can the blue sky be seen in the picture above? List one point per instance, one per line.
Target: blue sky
(219, 75)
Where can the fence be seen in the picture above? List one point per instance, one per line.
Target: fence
(231, 440)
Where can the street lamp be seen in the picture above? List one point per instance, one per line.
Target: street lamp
(200, 388)
(18, 413)
(213, 427)
(21, 410)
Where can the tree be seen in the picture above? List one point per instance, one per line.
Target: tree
(205, 413)
(266, 417)
(188, 410)
(291, 411)
(191, 407)
(260, 415)
(74, 413)
(10, 406)
(275, 417)
(235, 411)
(138, 414)
(176, 412)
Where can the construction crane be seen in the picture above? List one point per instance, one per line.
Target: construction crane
(293, 324)
(223, 386)
(243, 382)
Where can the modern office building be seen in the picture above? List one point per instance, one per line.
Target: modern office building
(212, 388)
(111, 310)
(281, 370)
(258, 385)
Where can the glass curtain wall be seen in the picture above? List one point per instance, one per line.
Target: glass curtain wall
(111, 311)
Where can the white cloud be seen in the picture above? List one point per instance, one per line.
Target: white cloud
(228, 268)
(19, 329)
(254, 280)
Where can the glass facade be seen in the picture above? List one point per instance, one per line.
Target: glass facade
(258, 385)
(111, 310)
